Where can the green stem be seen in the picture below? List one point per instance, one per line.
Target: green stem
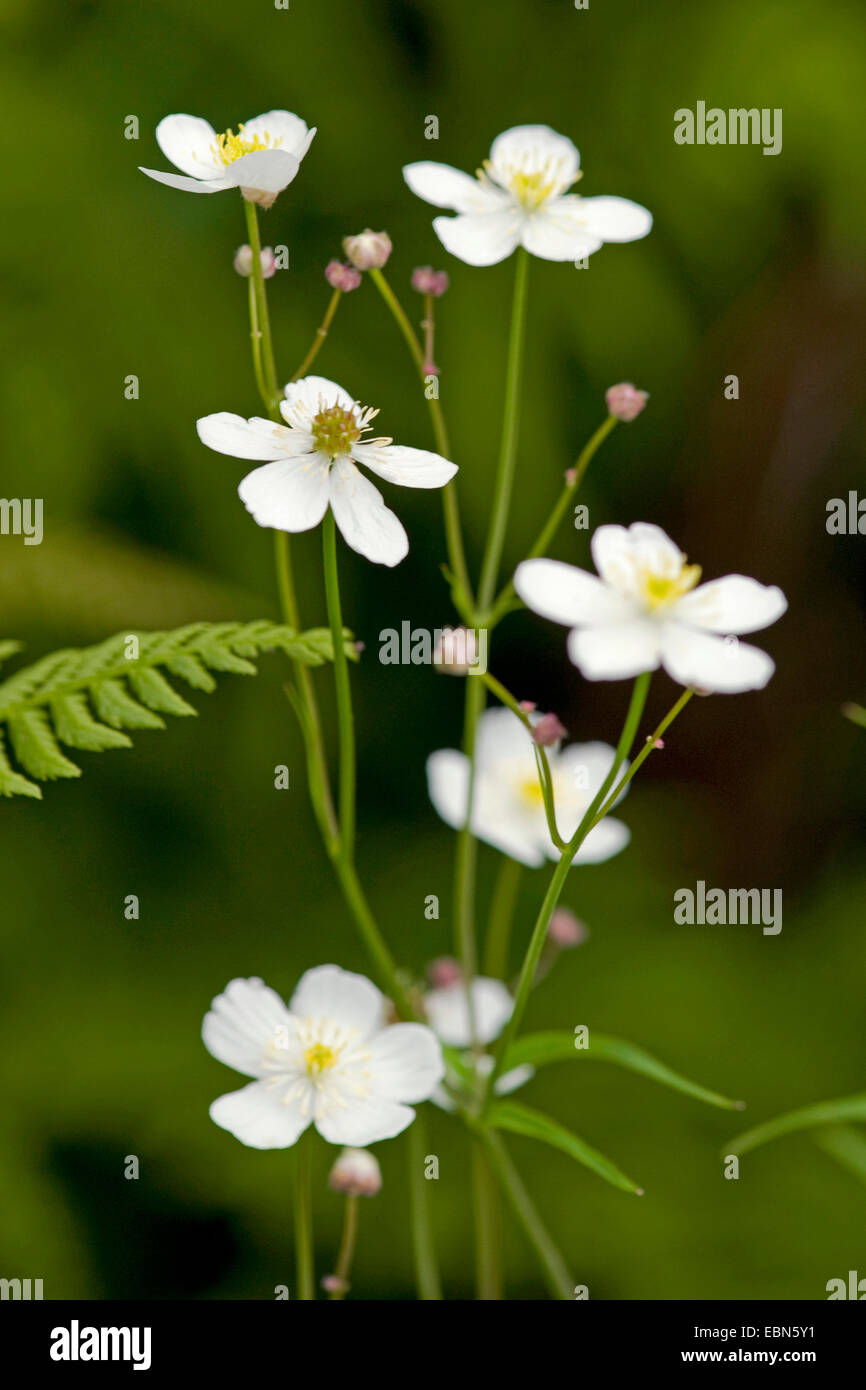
(321, 335)
(453, 531)
(551, 526)
(256, 341)
(344, 690)
(423, 1248)
(488, 1233)
(304, 1219)
(347, 1249)
(508, 448)
(643, 755)
(371, 936)
(501, 918)
(261, 303)
(557, 882)
(545, 777)
(467, 855)
(556, 1272)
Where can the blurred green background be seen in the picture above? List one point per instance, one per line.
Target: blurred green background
(755, 267)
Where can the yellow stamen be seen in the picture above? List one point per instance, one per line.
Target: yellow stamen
(531, 791)
(319, 1058)
(335, 430)
(230, 147)
(659, 590)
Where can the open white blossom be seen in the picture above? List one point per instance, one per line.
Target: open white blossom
(507, 802)
(447, 1011)
(520, 198)
(646, 610)
(261, 159)
(312, 465)
(328, 1059)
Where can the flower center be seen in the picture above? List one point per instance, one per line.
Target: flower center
(230, 147)
(529, 182)
(335, 430)
(319, 1058)
(530, 792)
(661, 590)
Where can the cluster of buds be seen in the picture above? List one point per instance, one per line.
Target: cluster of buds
(426, 280)
(625, 402)
(341, 276)
(243, 262)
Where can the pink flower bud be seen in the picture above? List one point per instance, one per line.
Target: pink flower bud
(456, 651)
(444, 972)
(357, 1173)
(426, 280)
(332, 1283)
(547, 730)
(243, 262)
(528, 706)
(566, 930)
(625, 401)
(369, 250)
(342, 277)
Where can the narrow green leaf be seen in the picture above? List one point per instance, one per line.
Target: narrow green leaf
(537, 1048)
(155, 691)
(75, 726)
(11, 782)
(36, 747)
(846, 1145)
(826, 1112)
(117, 708)
(519, 1120)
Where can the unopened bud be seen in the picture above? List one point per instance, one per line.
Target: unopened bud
(342, 277)
(357, 1173)
(332, 1283)
(625, 402)
(243, 262)
(566, 930)
(444, 972)
(456, 651)
(369, 250)
(426, 280)
(547, 730)
(528, 706)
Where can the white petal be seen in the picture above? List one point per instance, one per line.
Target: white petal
(448, 785)
(244, 439)
(445, 187)
(615, 652)
(350, 1000)
(615, 219)
(711, 663)
(312, 394)
(407, 467)
(188, 185)
(257, 1117)
(188, 141)
(448, 1011)
(364, 1122)
(585, 766)
(734, 604)
(406, 1062)
(556, 233)
(532, 147)
(289, 495)
(568, 595)
(482, 238)
(241, 1023)
(367, 525)
(284, 127)
(623, 555)
(500, 737)
(606, 840)
(493, 820)
(267, 171)
(514, 1079)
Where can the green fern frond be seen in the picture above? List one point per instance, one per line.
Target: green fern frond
(85, 698)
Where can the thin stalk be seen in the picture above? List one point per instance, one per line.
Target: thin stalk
(261, 301)
(501, 917)
(642, 756)
(467, 855)
(508, 448)
(345, 717)
(423, 1248)
(551, 526)
(304, 1219)
(451, 510)
(555, 1269)
(321, 335)
(347, 1250)
(542, 762)
(488, 1229)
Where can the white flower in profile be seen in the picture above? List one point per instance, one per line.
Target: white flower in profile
(261, 159)
(507, 802)
(521, 198)
(646, 610)
(328, 1059)
(311, 465)
(447, 1010)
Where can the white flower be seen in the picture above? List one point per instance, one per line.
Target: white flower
(507, 804)
(326, 1060)
(261, 160)
(645, 611)
(312, 466)
(447, 1010)
(520, 198)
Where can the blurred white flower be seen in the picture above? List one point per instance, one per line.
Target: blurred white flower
(447, 1011)
(261, 159)
(507, 802)
(311, 466)
(520, 198)
(328, 1059)
(645, 611)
